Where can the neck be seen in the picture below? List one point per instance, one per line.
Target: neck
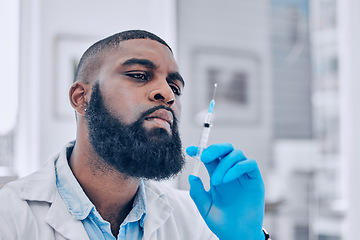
(110, 191)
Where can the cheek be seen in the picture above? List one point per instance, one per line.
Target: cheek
(128, 114)
(124, 106)
(130, 111)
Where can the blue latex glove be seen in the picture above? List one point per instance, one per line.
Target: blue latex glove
(233, 208)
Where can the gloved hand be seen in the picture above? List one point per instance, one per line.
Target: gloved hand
(233, 208)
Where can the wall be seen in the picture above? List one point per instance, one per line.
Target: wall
(231, 30)
(40, 132)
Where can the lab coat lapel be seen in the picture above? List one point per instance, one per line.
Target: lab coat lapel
(157, 212)
(41, 187)
(63, 222)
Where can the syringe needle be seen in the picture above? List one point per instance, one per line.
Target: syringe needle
(205, 133)
(215, 87)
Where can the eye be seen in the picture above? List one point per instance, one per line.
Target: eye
(176, 90)
(139, 76)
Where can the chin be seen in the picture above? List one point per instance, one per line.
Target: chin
(159, 133)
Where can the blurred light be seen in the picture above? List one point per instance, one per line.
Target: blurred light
(9, 63)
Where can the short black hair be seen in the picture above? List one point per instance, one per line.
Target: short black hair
(91, 60)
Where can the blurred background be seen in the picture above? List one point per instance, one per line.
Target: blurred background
(288, 92)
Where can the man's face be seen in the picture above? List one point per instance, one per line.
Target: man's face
(141, 74)
(132, 114)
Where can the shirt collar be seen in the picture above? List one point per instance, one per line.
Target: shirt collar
(69, 188)
(138, 212)
(78, 204)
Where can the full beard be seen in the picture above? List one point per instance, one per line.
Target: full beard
(131, 149)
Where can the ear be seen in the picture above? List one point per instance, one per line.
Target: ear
(78, 94)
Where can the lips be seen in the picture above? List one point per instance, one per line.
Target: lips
(162, 114)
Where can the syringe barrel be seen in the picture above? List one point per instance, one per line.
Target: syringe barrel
(205, 133)
(203, 139)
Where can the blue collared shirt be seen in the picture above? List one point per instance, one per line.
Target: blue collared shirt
(84, 210)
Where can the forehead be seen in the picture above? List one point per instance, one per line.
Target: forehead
(143, 49)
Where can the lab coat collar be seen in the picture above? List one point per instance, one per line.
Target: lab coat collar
(158, 211)
(69, 228)
(41, 186)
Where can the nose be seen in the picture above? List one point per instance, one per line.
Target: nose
(163, 94)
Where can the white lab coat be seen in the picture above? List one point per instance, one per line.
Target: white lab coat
(31, 208)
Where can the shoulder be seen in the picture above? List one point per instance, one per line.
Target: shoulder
(25, 202)
(11, 200)
(39, 186)
(14, 210)
(12, 191)
(17, 192)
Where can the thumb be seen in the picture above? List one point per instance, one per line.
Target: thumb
(191, 151)
(198, 194)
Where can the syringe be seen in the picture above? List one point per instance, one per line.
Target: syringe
(205, 133)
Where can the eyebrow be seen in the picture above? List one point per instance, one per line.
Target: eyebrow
(138, 61)
(176, 76)
(149, 64)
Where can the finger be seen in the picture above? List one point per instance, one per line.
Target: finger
(191, 151)
(210, 167)
(210, 156)
(225, 165)
(216, 151)
(248, 167)
(200, 197)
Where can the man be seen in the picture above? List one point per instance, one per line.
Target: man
(126, 97)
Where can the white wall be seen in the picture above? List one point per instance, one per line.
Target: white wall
(40, 133)
(349, 53)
